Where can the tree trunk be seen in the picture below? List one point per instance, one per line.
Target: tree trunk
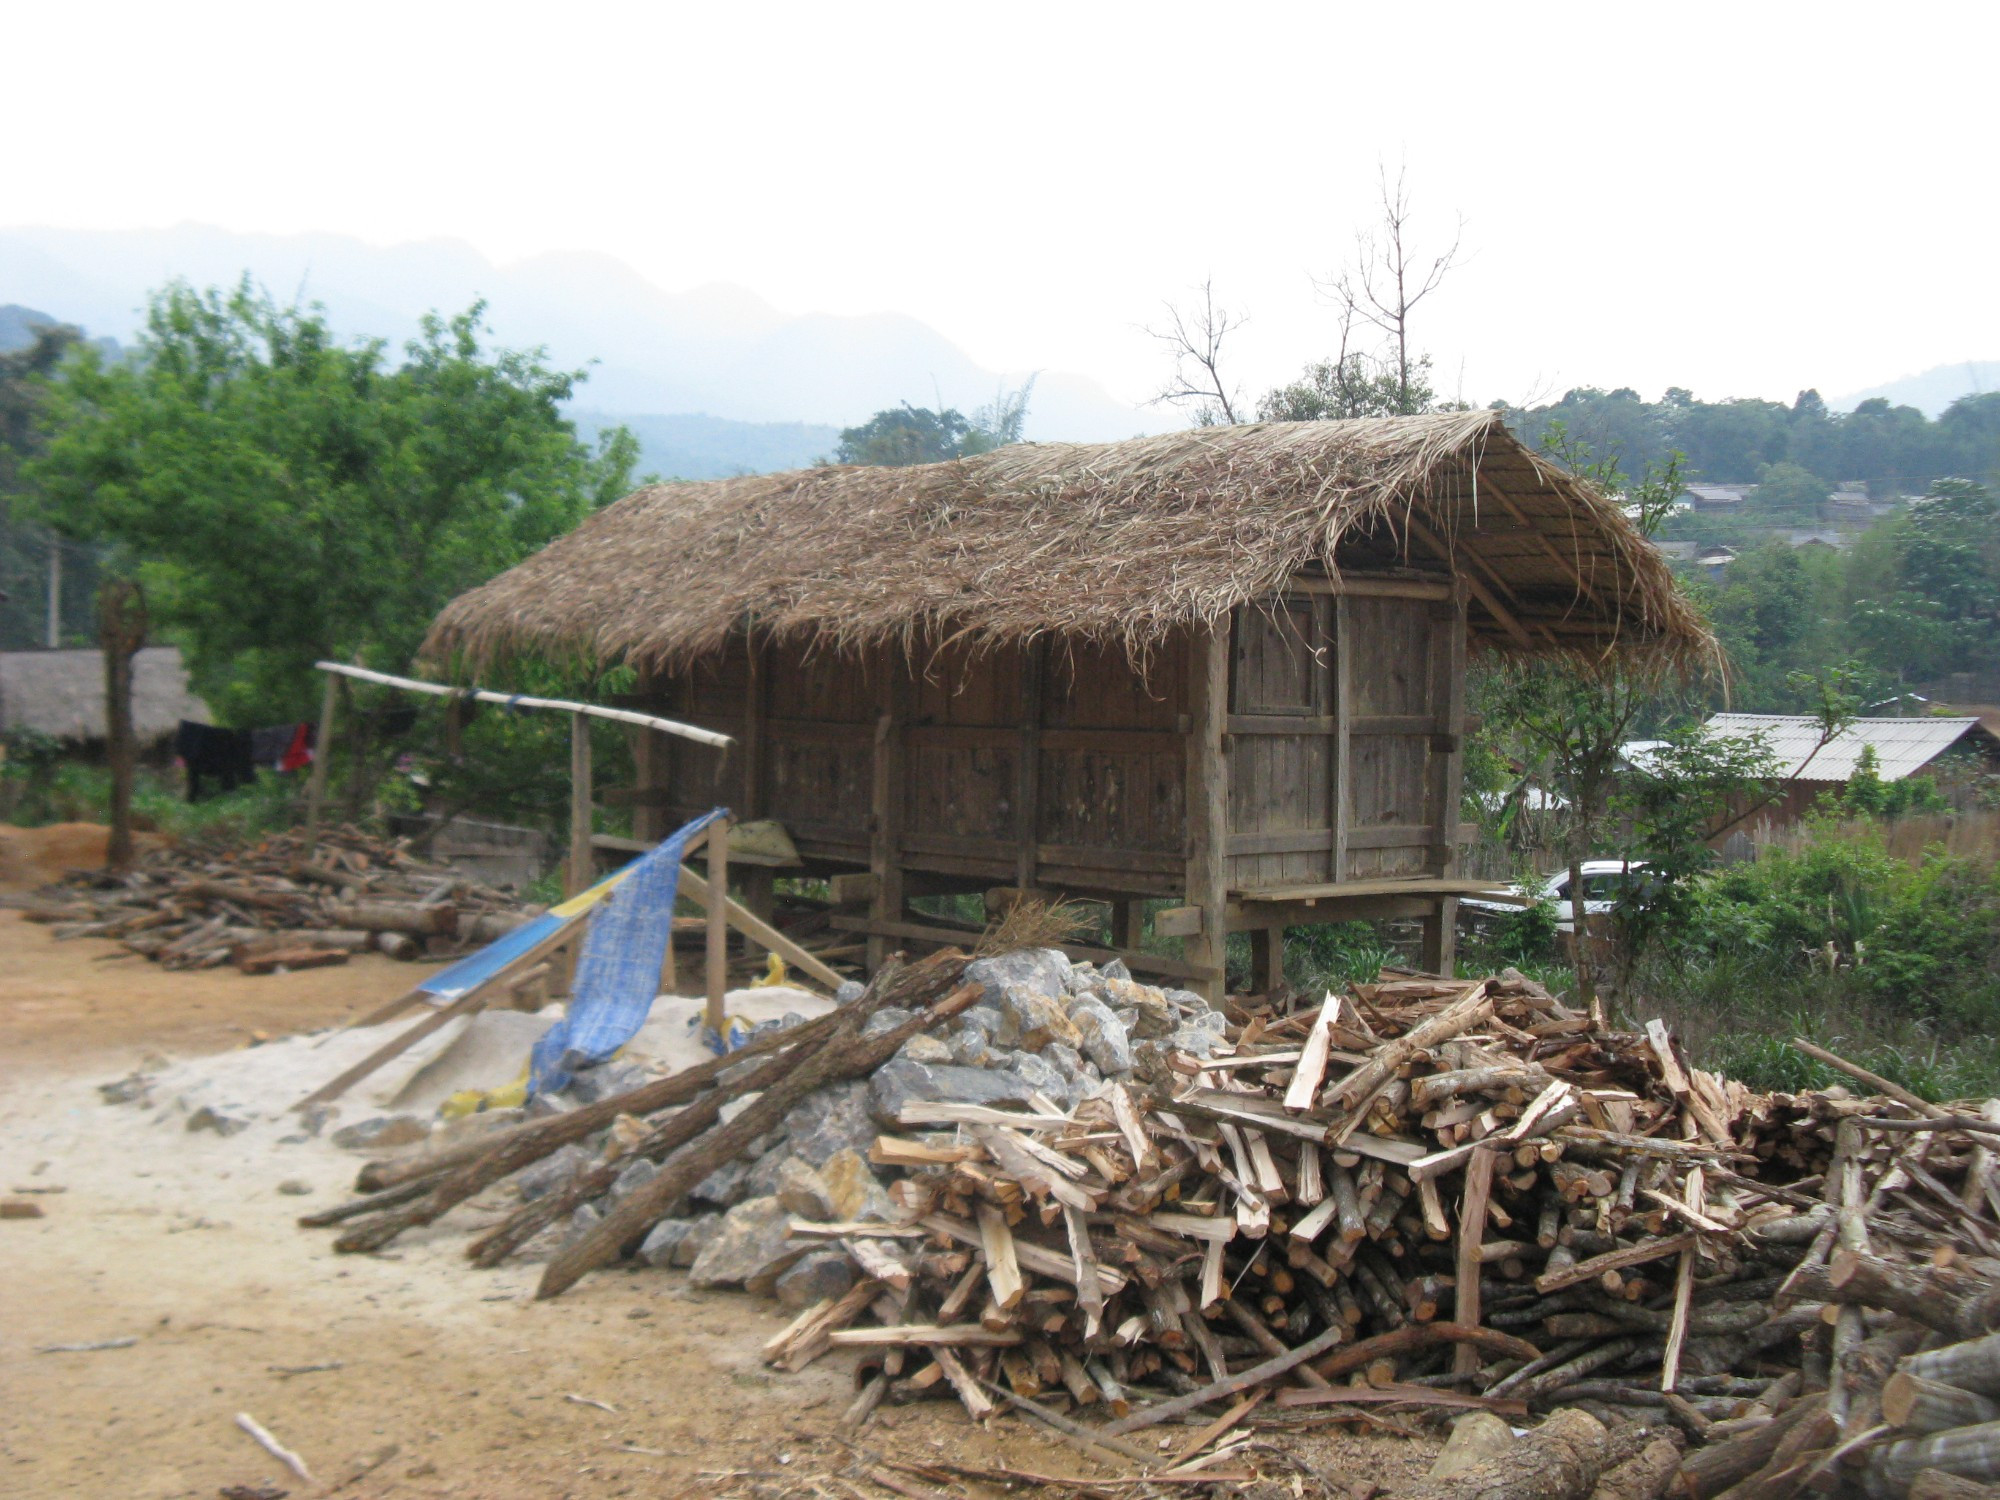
(1559, 1460)
(121, 632)
(1586, 981)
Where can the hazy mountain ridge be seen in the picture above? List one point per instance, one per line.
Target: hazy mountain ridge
(1932, 390)
(716, 349)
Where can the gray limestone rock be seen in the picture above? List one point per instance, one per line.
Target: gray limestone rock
(850, 991)
(701, 1230)
(316, 1117)
(1069, 1063)
(899, 1081)
(763, 1179)
(605, 1080)
(379, 1133)
(925, 1048)
(853, 1189)
(818, 1276)
(539, 1179)
(1153, 1016)
(884, 1021)
(830, 1120)
(971, 1046)
(1081, 978)
(803, 1191)
(130, 1089)
(665, 1237)
(293, 1187)
(210, 1118)
(1030, 1019)
(636, 1174)
(1037, 1075)
(1045, 971)
(726, 1185)
(583, 1219)
(1116, 970)
(1196, 1041)
(753, 1246)
(1105, 1041)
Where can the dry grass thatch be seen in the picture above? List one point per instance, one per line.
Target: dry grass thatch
(61, 693)
(1116, 542)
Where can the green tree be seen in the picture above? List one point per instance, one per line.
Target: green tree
(909, 434)
(27, 548)
(1786, 491)
(287, 497)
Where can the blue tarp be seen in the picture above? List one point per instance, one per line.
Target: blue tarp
(619, 975)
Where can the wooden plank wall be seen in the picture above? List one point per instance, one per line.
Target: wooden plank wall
(1058, 767)
(1380, 676)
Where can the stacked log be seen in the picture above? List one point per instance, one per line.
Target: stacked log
(267, 907)
(1417, 1199)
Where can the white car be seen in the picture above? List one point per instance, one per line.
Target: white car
(1605, 882)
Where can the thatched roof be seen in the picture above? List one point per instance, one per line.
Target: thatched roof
(61, 693)
(1110, 541)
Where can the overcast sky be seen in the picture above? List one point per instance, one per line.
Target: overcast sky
(1741, 198)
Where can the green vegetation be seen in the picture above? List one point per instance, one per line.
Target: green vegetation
(909, 434)
(1895, 449)
(1893, 963)
(1915, 599)
(40, 783)
(286, 497)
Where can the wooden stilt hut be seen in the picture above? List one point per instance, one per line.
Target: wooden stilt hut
(1223, 668)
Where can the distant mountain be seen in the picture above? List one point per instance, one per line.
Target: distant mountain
(696, 446)
(1933, 390)
(18, 325)
(717, 349)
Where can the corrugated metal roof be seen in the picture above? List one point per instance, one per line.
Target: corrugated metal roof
(1902, 746)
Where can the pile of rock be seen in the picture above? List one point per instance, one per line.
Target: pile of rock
(1043, 1026)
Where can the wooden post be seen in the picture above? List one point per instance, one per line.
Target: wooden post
(1267, 959)
(718, 922)
(1342, 781)
(1125, 924)
(1445, 774)
(1027, 775)
(582, 862)
(121, 632)
(757, 880)
(885, 853)
(322, 754)
(1207, 798)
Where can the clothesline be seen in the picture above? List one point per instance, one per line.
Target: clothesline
(522, 700)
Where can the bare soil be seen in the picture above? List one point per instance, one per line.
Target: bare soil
(447, 1380)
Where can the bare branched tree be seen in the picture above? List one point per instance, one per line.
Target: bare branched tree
(1382, 286)
(1194, 334)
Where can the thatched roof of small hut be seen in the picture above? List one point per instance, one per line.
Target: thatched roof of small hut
(61, 693)
(1117, 542)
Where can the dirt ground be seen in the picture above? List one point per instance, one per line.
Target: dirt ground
(448, 1381)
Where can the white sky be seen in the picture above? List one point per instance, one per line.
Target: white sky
(1743, 198)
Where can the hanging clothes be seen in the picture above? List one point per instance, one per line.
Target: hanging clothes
(223, 758)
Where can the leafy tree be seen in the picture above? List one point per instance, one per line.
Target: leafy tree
(916, 435)
(906, 435)
(286, 497)
(25, 547)
(1566, 719)
(1785, 490)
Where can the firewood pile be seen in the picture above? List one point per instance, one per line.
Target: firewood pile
(266, 906)
(1420, 1199)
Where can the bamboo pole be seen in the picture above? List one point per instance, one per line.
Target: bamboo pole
(718, 921)
(522, 700)
(322, 753)
(582, 862)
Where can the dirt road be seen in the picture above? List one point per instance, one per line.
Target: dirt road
(184, 1242)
